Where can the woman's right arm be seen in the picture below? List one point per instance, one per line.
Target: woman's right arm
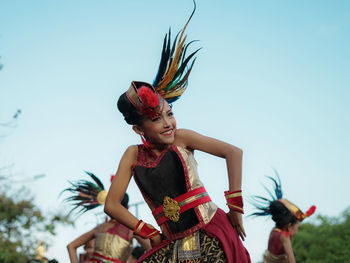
(83, 239)
(113, 206)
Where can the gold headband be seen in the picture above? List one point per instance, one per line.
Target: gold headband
(293, 209)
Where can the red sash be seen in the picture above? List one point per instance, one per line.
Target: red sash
(185, 202)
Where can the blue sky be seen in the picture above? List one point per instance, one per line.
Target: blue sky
(272, 78)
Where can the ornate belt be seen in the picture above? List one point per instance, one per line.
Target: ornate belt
(172, 208)
(102, 259)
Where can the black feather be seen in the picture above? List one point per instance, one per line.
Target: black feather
(83, 194)
(262, 204)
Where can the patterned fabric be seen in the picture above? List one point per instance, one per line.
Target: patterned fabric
(206, 235)
(221, 228)
(207, 249)
(172, 173)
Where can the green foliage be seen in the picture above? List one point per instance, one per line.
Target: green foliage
(22, 224)
(326, 242)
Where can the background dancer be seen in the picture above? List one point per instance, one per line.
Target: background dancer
(287, 217)
(112, 239)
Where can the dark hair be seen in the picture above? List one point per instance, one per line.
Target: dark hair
(125, 200)
(281, 215)
(137, 252)
(130, 113)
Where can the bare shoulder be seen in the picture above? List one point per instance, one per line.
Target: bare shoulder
(284, 239)
(183, 136)
(130, 154)
(132, 150)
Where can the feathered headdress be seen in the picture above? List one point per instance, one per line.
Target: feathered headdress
(171, 79)
(263, 204)
(172, 76)
(86, 195)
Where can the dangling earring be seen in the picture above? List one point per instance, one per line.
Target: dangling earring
(145, 143)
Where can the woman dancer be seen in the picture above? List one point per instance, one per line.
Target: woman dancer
(193, 228)
(112, 239)
(287, 217)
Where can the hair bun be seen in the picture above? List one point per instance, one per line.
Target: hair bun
(130, 113)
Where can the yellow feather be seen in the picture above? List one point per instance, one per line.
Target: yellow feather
(172, 68)
(174, 65)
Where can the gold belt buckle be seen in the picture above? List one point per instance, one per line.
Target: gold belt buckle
(171, 209)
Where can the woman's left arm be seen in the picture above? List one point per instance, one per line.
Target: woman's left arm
(233, 156)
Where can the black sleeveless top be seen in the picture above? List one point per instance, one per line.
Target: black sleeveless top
(160, 176)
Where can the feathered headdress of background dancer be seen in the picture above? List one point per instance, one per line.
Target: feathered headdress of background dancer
(86, 195)
(263, 204)
(171, 79)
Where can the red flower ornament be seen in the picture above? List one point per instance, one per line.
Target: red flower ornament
(148, 97)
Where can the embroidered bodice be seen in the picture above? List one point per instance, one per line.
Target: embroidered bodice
(171, 174)
(114, 244)
(275, 245)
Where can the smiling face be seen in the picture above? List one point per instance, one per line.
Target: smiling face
(159, 131)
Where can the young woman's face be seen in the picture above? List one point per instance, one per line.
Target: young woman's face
(160, 130)
(293, 229)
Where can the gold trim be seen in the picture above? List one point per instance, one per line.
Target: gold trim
(236, 207)
(171, 209)
(139, 228)
(101, 197)
(192, 198)
(207, 210)
(111, 246)
(233, 195)
(292, 208)
(182, 203)
(189, 243)
(152, 233)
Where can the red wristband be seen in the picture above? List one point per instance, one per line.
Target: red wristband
(144, 230)
(234, 200)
